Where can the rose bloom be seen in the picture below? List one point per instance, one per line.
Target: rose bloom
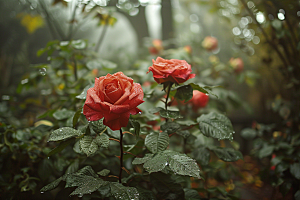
(210, 43)
(176, 71)
(113, 97)
(199, 99)
(237, 64)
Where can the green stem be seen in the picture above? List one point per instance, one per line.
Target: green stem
(75, 68)
(121, 156)
(168, 94)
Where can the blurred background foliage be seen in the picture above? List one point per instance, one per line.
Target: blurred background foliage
(50, 50)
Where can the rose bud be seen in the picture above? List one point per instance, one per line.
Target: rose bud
(113, 97)
(210, 43)
(199, 99)
(157, 46)
(237, 64)
(188, 49)
(176, 71)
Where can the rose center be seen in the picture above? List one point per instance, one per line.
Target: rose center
(113, 92)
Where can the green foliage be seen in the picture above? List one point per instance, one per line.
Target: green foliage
(184, 93)
(90, 145)
(156, 142)
(64, 133)
(227, 154)
(216, 125)
(166, 161)
(169, 160)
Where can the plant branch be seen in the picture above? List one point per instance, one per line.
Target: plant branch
(114, 139)
(75, 68)
(121, 156)
(50, 19)
(72, 21)
(265, 34)
(97, 47)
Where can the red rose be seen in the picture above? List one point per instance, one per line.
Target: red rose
(113, 97)
(176, 71)
(199, 99)
(237, 64)
(210, 43)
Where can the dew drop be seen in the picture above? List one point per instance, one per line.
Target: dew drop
(43, 71)
(42, 192)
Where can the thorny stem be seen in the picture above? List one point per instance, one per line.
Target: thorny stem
(121, 156)
(101, 37)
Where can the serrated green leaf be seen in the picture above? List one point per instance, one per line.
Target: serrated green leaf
(64, 133)
(85, 184)
(215, 125)
(63, 114)
(295, 170)
(88, 171)
(61, 146)
(169, 114)
(97, 126)
(156, 163)
(51, 185)
(102, 140)
(178, 163)
(82, 95)
(204, 89)
(138, 161)
(186, 122)
(170, 127)
(121, 192)
(104, 172)
(184, 93)
(88, 145)
(227, 154)
(202, 155)
(156, 142)
(184, 165)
